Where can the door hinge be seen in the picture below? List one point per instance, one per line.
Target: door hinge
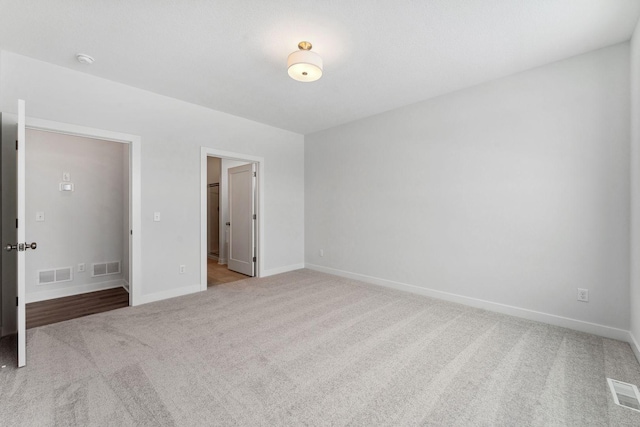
(17, 303)
(16, 144)
(254, 216)
(255, 259)
(254, 174)
(132, 232)
(16, 222)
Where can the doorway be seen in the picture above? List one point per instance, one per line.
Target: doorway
(222, 265)
(77, 209)
(13, 206)
(216, 211)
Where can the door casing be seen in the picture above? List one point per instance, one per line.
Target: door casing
(135, 216)
(260, 167)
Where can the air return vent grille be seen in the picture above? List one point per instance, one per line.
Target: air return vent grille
(625, 394)
(56, 275)
(105, 268)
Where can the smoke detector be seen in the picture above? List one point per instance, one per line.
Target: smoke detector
(84, 59)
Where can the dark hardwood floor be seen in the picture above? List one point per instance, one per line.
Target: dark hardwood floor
(57, 310)
(67, 308)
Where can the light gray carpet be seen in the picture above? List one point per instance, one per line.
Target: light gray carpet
(306, 348)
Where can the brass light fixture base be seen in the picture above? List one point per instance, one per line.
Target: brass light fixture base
(304, 46)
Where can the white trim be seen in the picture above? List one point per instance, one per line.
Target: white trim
(259, 161)
(171, 293)
(125, 285)
(634, 346)
(75, 290)
(135, 195)
(222, 261)
(280, 270)
(552, 319)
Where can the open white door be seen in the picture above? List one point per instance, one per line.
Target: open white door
(242, 217)
(21, 246)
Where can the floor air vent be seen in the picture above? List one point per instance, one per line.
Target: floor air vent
(625, 394)
(63, 274)
(105, 268)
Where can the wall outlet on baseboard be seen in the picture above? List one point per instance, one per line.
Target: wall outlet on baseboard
(321, 252)
(583, 295)
(81, 267)
(183, 269)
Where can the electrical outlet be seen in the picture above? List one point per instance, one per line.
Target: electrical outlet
(583, 295)
(66, 176)
(81, 267)
(321, 252)
(183, 269)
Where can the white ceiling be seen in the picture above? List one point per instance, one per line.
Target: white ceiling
(378, 55)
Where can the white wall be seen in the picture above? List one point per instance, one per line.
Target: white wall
(635, 190)
(81, 226)
(514, 191)
(172, 133)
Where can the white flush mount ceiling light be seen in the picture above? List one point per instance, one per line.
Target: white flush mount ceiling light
(304, 65)
(84, 59)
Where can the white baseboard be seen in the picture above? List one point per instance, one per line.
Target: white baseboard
(280, 270)
(222, 261)
(171, 293)
(552, 319)
(633, 342)
(70, 291)
(125, 285)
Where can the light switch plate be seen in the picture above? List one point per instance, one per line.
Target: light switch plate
(156, 216)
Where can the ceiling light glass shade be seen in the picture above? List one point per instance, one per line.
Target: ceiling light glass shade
(304, 66)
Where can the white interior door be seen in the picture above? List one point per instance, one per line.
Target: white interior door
(21, 246)
(242, 218)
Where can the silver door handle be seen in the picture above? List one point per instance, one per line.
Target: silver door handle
(21, 246)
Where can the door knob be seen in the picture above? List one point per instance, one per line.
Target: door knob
(21, 247)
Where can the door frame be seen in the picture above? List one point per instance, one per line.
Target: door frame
(259, 162)
(135, 215)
